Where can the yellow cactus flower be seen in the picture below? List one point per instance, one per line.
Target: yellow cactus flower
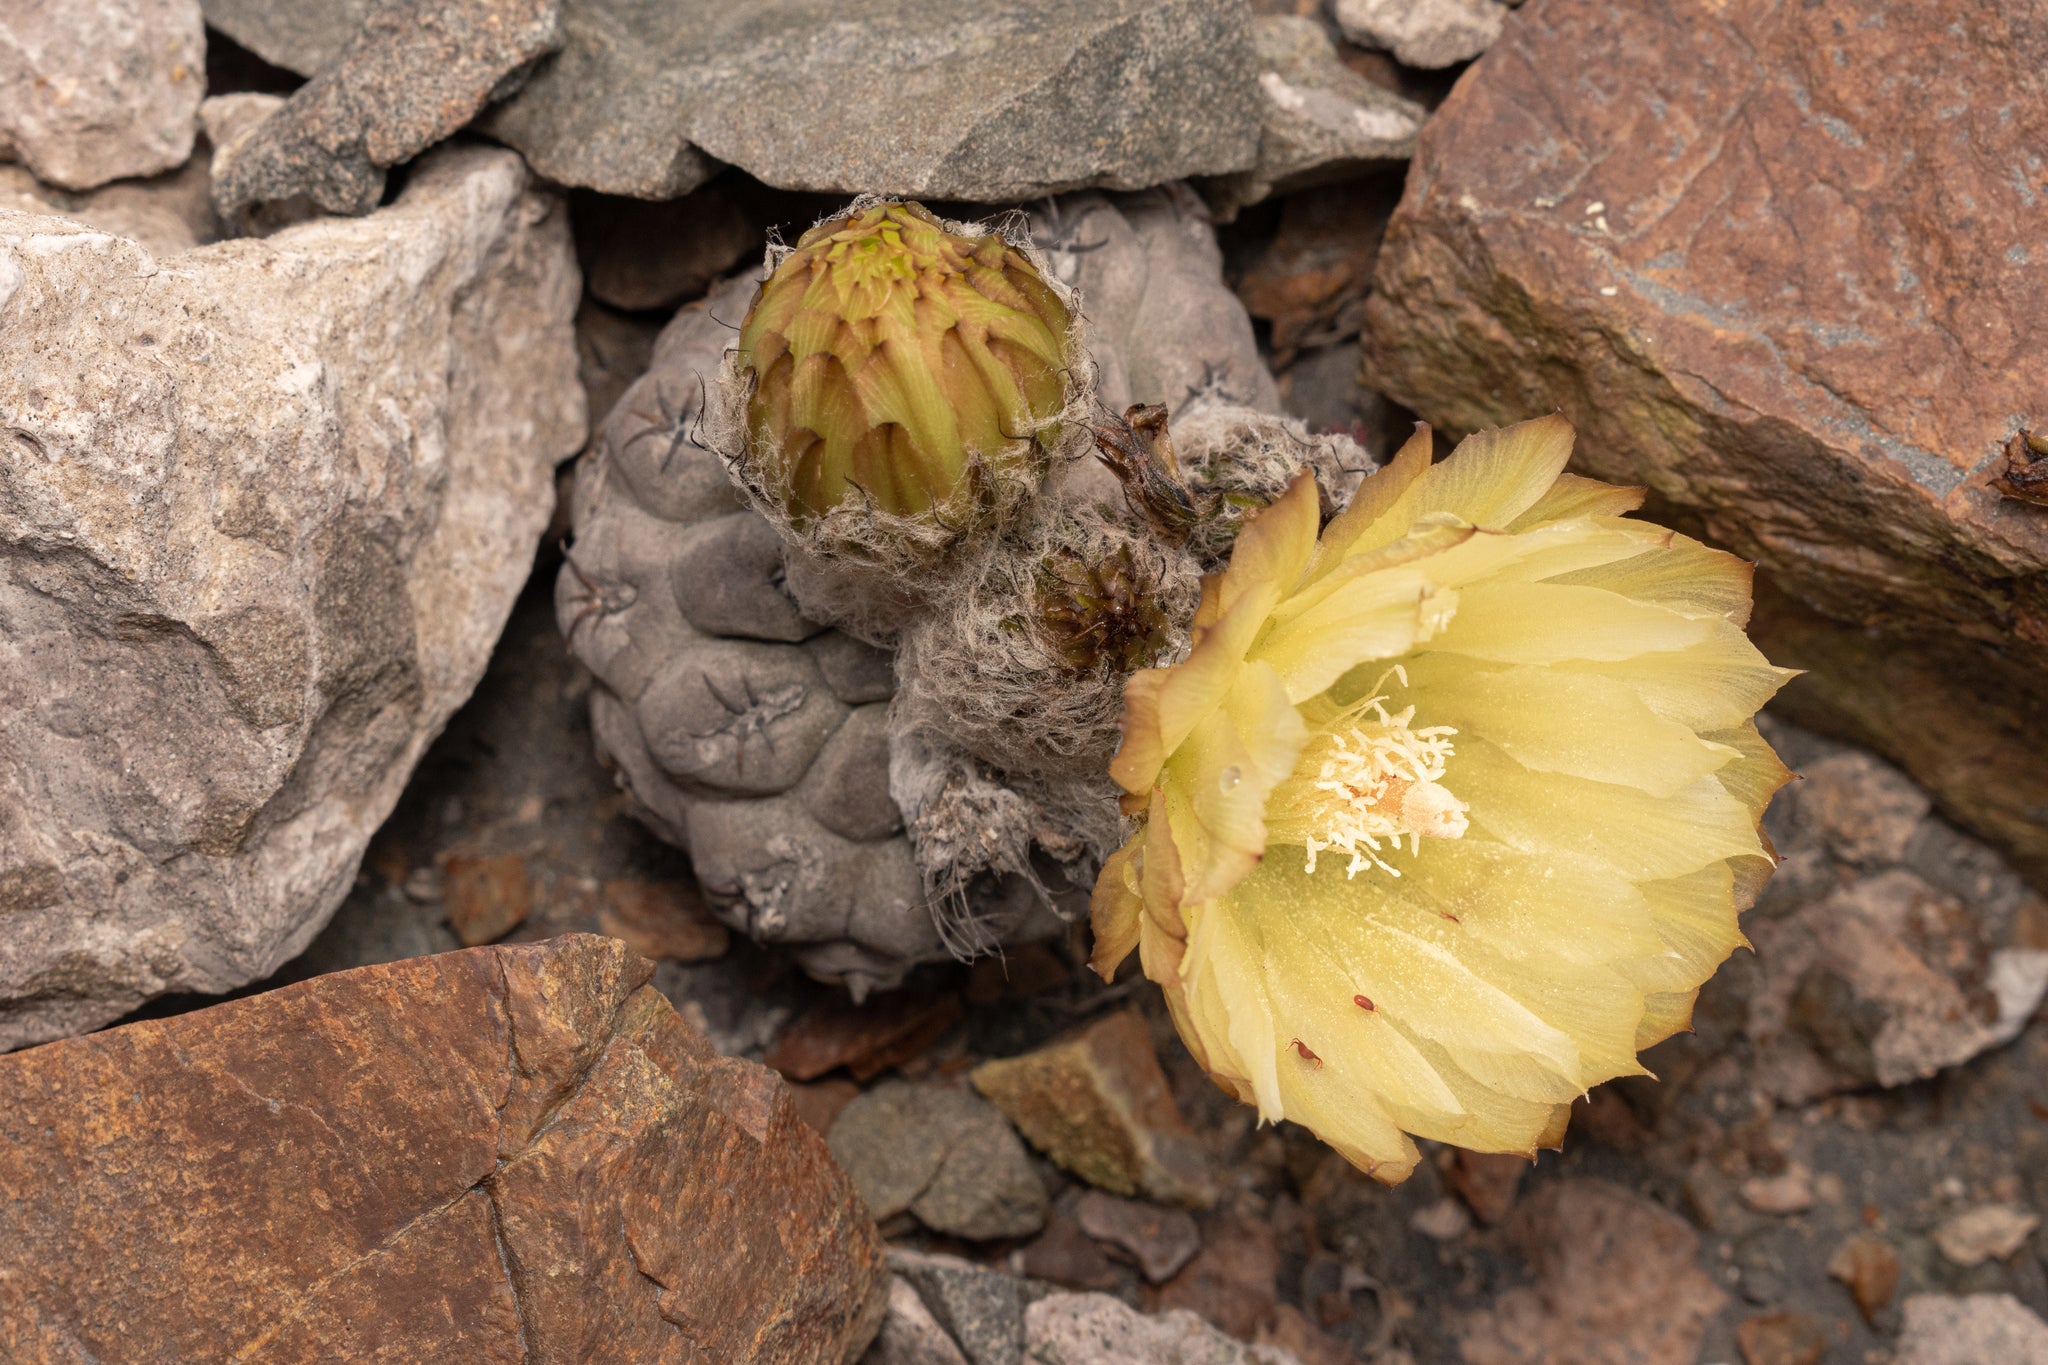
(1450, 811)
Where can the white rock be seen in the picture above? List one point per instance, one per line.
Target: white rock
(264, 507)
(93, 90)
(1427, 33)
(1972, 1329)
(1095, 1329)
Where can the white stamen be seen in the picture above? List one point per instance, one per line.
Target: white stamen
(1386, 777)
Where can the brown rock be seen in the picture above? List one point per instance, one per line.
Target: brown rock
(1781, 1339)
(415, 72)
(1066, 1255)
(1487, 1181)
(505, 1154)
(1737, 264)
(1161, 1241)
(1865, 811)
(1310, 283)
(1097, 1103)
(1869, 1266)
(638, 254)
(662, 920)
(819, 1102)
(485, 897)
(865, 1039)
(1233, 1280)
(1615, 1281)
(1291, 1331)
(1789, 1191)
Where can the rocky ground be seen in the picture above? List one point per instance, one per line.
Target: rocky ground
(298, 382)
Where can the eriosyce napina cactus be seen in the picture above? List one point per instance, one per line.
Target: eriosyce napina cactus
(1429, 798)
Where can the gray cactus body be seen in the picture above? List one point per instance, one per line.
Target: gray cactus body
(760, 740)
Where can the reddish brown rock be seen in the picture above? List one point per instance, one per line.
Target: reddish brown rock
(1781, 1339)
(1868, 1266)
(503, 1154)
(1778, 263)
(865, 1039)
(1232, 1281)
(486, 897)
(1615, 1281)
(662, 920)
(1487, 1181)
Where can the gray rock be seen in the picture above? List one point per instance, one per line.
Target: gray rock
(1971, 1329)
(910, 1335)
(1427, 33)
(982, 1310)
(802, 845)
(992, 103)
(1095, 1329)
(638, 255)
(95, 90)
(266, 507)
(302, 38)
(388, 927)
(946, 1156)
(415, 71)
(1323, 121)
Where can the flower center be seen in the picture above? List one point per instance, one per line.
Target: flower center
(1372, 779)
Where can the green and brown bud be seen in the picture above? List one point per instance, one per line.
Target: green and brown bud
(1100, 615)
(897, 370)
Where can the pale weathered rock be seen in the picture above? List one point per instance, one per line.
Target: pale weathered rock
(1735, 263)
(95, 90)
(266, 507)
(1095, 1329)
(1971, 1329)
(1323, 121)
(992, 103)
(1987, 1232)
(943, 1155)
(415, 71)
(1890, 979)
(166, 213)
(1615, 1280)
(1426, 33)
(1097, 1103)
(757, 738)
(504, 1154)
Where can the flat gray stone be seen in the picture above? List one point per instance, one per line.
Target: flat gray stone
(298, 37)
(995, 102)
(95, 90)
(910, 1335)
(947, 1156)
(1323, 122)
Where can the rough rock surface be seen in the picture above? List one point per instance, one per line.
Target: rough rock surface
(1888, 945)
(415, 71)
(1098, 1104)
(996, 103)
(265, 508)
(1425, 33)
(95, 90)
(982, 1310)
(756, 738)
(1095, 1329)
(1600, 1254)
(1972, 1329)
(1740, 262)
(504, 1154)
(1323, 121)
(910, 1335)
(166, 214)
